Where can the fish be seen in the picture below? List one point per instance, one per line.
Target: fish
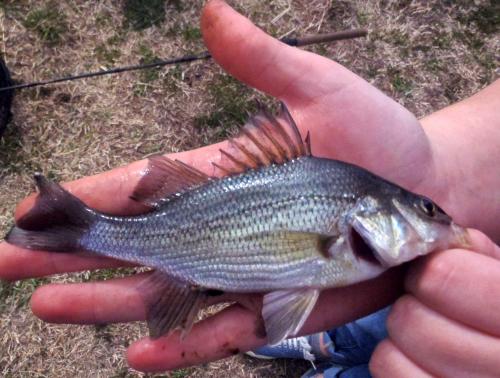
(277, 221)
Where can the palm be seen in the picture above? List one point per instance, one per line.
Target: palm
(348, 120)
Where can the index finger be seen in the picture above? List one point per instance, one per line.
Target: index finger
(107, 192)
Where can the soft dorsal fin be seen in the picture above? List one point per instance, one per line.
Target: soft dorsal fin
(264, 140)
(165, 177)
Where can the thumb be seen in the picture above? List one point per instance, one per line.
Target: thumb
(256, 58)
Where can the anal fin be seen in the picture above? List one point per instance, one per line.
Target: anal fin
(170, 303)
(285, 312)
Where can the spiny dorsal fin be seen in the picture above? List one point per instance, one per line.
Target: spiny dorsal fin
(165, 177)
(264, 140)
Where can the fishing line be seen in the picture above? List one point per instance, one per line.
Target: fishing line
(296, 42)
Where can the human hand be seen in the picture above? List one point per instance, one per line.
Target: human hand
(447, 325)
(348, 120)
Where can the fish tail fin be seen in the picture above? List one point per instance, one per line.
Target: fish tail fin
(56, 222)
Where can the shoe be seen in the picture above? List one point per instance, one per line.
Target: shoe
(311, 348)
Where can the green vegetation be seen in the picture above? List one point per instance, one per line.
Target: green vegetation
(442, 41)
(339, 13)
(146, 76)
(13, 159)
(147, 57)
(49, 22)
(181, 373)
(362, 17)
(471, 39)
(486, 17)
(107, 54)
(177, 5)
(452, 86)
(191, 33)
(20, 290)
(103, 18)
(399, 82)
(321, 49)
(140, 14)
(397, 37)
(172, 77)
(434, 65)
(231, 106)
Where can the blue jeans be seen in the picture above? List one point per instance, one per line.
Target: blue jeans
(351, 347)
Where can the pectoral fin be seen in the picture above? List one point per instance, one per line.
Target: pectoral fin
(285, 312)
(170, 304)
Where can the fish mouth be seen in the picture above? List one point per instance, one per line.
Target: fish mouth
(461, 237)
(363, 250)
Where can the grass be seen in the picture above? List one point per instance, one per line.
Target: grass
(181, 373)
(401, 83)
(106, 54)
(18, 293)
(232, 106)
(425, 55)
(148, 76)
(141, 14)
(486, 17)
(49, 22)
(147, 56)
(191, 33)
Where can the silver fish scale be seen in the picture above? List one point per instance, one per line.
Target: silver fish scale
(250, 232)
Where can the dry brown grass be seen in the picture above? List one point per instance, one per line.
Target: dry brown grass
(425, 54)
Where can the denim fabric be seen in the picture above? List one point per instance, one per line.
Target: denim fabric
(351, 346)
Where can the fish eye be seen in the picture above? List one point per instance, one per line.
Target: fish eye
(429, 208)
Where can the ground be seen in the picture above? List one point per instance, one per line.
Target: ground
(424, 54)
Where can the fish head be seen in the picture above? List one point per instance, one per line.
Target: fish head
(400, 227)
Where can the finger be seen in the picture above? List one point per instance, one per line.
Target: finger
(443, 346)
(17, 263)
(456, 283)
(118, 300)
(361, 299)
(108, 192)
(388, 361)
(261, 60)
(314, 87)
(112, 301)
(484, 245)
(231, 331)
(237, 329)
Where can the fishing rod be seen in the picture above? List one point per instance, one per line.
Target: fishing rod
(291, 41)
